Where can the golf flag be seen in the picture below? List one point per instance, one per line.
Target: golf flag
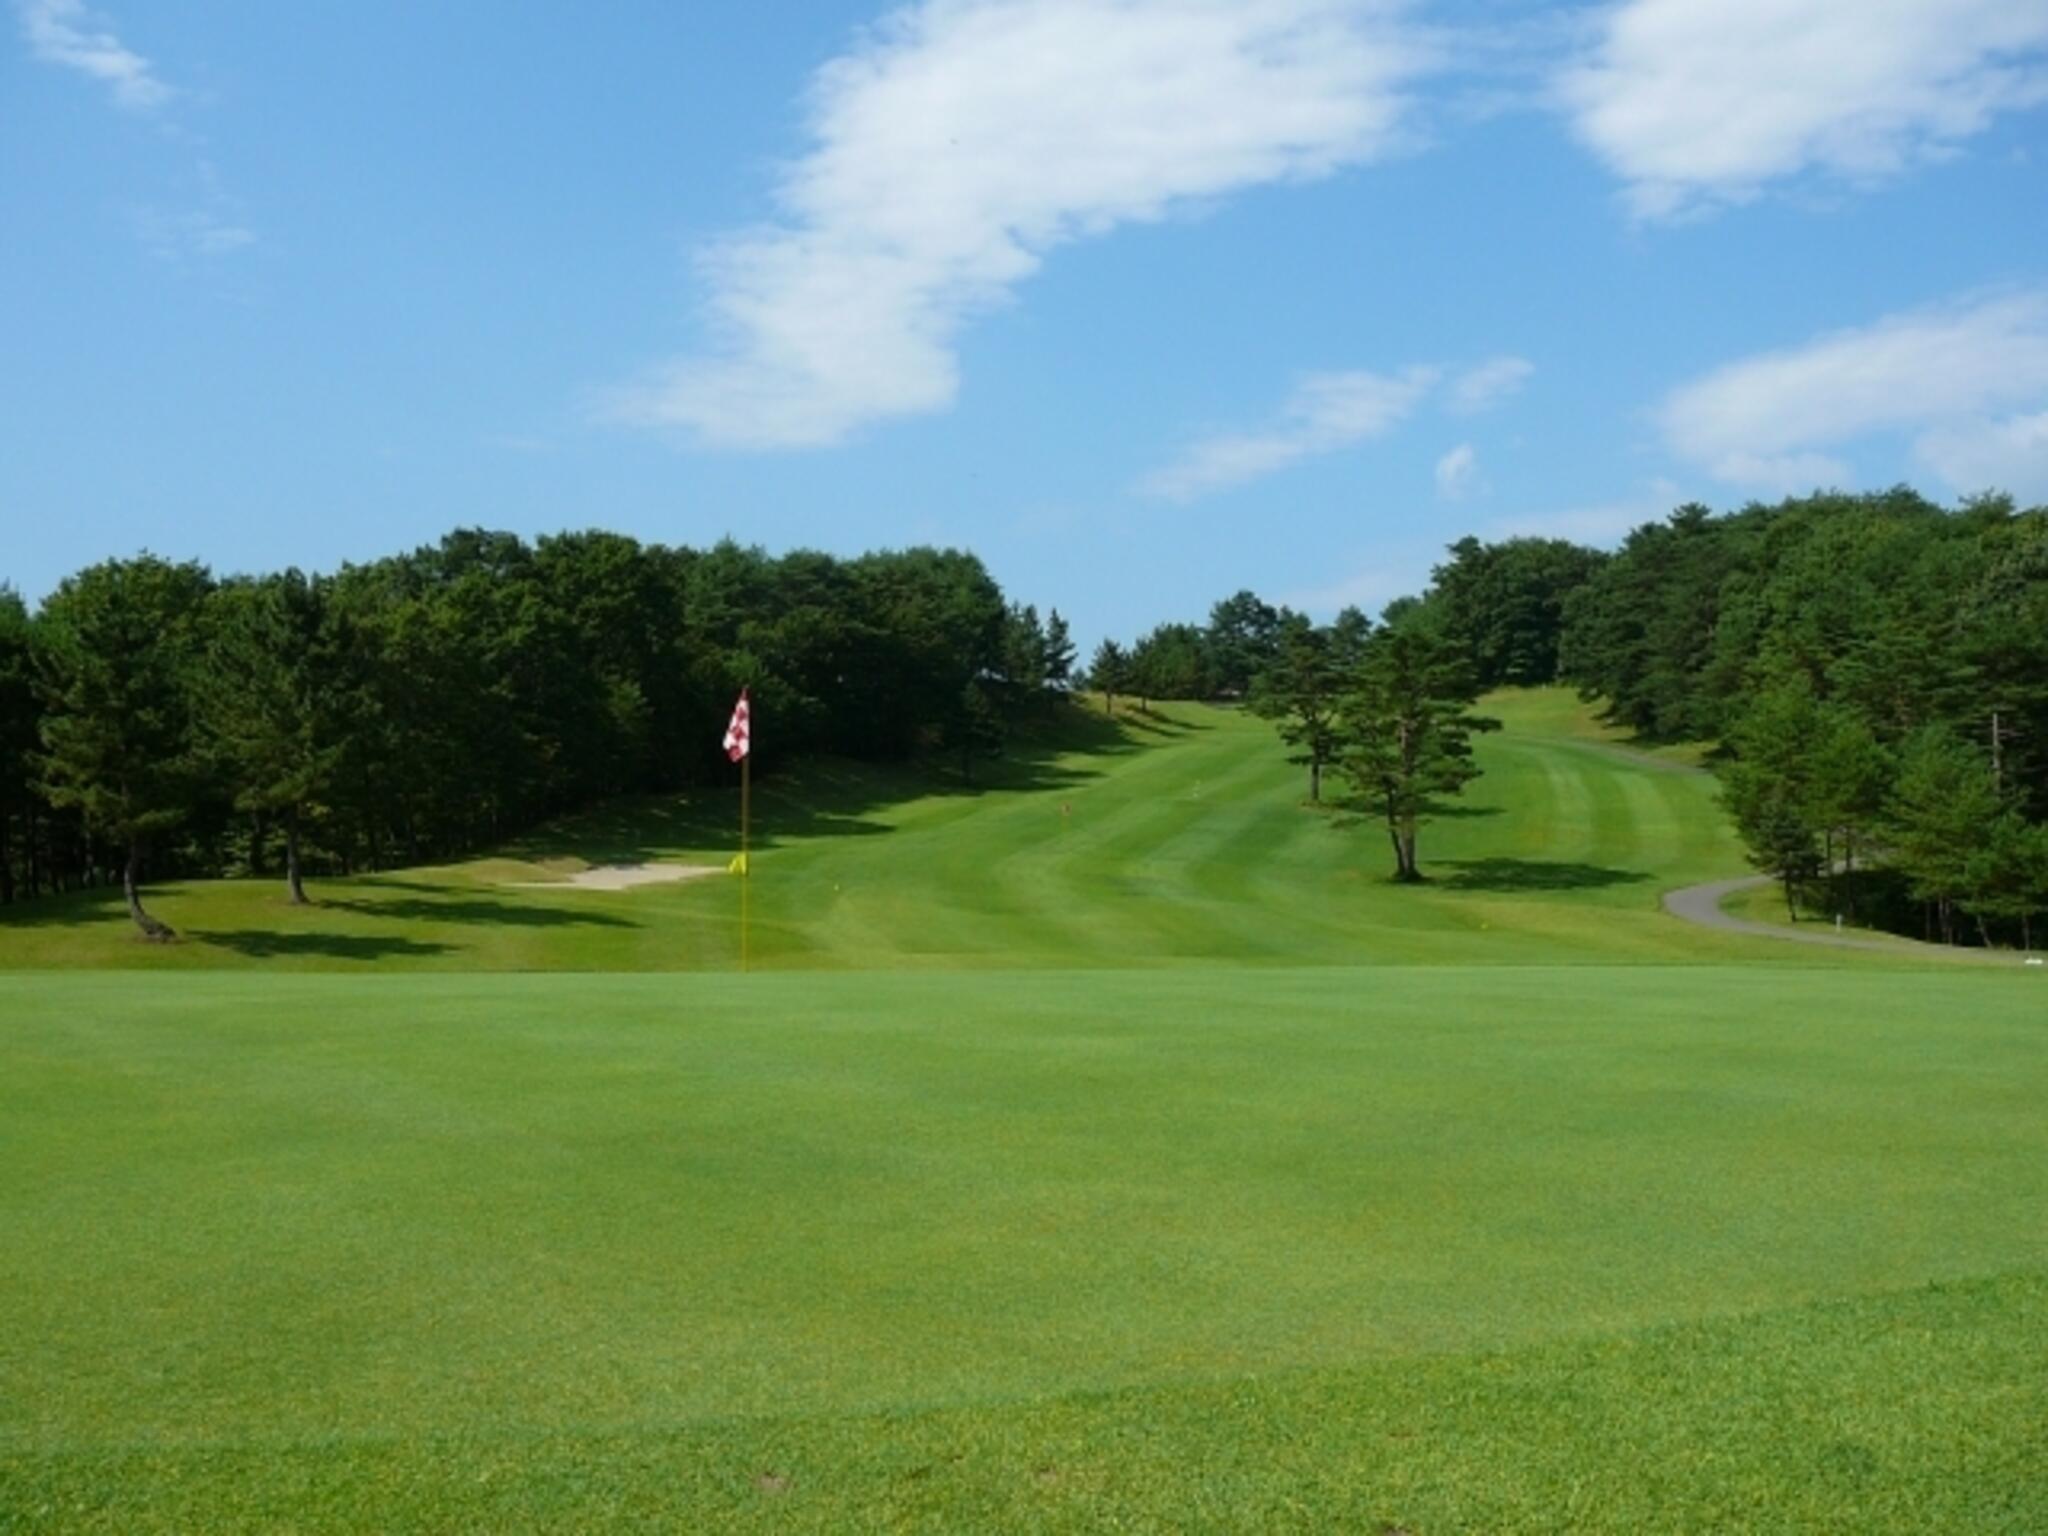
(738, 866)
(736, 733)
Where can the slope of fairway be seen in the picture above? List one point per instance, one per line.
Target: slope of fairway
(1606, 1248)
(1172, 838)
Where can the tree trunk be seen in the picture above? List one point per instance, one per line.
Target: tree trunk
(291, 860)
(35, 857)
(1401, 829)
(6, 863)
(2027, 932)
(1315, 781)
(154, 931)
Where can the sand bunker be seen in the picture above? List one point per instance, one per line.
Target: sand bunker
(622, 877)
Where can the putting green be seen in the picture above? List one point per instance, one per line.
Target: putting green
(253, 1222)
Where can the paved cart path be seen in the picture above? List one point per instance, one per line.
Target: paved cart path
(1702, 904)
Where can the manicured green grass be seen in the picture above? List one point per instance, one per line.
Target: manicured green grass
(321, 1249)
(1150, 1163)
(1173, 839)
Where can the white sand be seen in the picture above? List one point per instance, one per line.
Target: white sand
(621, 877)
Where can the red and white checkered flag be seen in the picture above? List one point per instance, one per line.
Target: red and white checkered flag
(736, 733)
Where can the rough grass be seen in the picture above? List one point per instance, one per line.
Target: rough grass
(1133, 1175)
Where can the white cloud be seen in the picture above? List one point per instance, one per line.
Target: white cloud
(1327, 411)
(2005, 455)
(61, 32)
(1942, 376)
(962, 140)
(1478, 389)
(1697, 102)
(1457, 473)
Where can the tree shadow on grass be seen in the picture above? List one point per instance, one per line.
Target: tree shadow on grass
(63, 909)
(1455, 812)
(1511, 875)
(1157, 722)
(1350, 812)
(463, 905)
(838, 797)
(269, 944)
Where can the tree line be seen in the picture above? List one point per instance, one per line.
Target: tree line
(156, 720)
(1870, 671)
(1874, 671)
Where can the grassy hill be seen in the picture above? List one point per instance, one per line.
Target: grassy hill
(1175, 838)
(1152, 1166)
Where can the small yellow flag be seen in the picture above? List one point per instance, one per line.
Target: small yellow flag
(738, 866)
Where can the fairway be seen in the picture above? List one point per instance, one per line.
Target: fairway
(1172, 838)
(1153, 1163)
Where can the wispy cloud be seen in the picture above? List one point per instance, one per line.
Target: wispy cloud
(63, 32)
(961, 141)
(1457, 473)
(2002, 454)
(1949, 379)
(1701, 102)
(1482, 388)
(1327, 411)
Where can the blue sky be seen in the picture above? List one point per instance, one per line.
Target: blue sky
(1142, 300)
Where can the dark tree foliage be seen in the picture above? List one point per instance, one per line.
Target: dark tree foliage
(1242, 634)
(265, 709)
(1060, 654)
(1220, 660)
(1170, 662)
(1876, 670)
(1641, 634)
(116, 652)
(1405, 728)
(1770, 791)
(430, 704)
(1300, 689)
(1109, 673)
(20, 719)
(1505, 604)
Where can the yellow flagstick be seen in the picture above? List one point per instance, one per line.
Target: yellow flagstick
(746, 869)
